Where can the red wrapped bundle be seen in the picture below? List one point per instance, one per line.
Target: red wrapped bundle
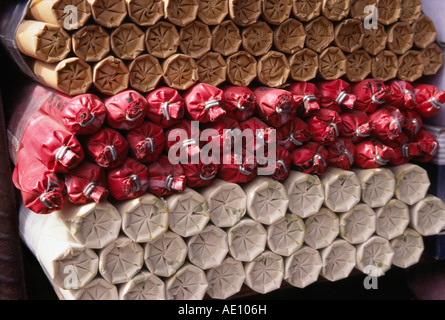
(128, 181)
(310, 158)
(165, 107)
(371, 94)
(412, 123)
(372, 154)
(107, 148)
(277, 167)
(261, 133)
(336, 95)
(87, 183)
(427, 147)
(404, 151)
(222, 133)
(165, 178)
(387, 124)
(341, 154)
(203, 103)
(203, 173)
(183, 140)
(238, 168)
(294, 134)
(43, 191)
(126, 110)
(306, 94)
(146, 142)
(239, 102)
(355, 125)
(402, 95)
(276, 107)
(429, 100)
(325, 126)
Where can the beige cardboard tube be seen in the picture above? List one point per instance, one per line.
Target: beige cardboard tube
(358, 225)
(374, 257)
(247, 239)
(244, 12)
(111, 76)
(145, 13)
(213, 12)
(226, 280)
(189, 283)
(143, 286)
(425, 32)
(358, 66)
(265, 273)
(181, 12)
(180, 71)
(432, 59)
(332, 64)
(289, 36)
(410, 66)
(374, 40)
(212, 69)
(273, 69)
(392, 219)
(241, 69)
(428, 216)
(319, 34)
(411, 10)
(286, 236)
(276, 12)
(378, 186)
(408, 249)
(322, 229)
(307, 10)
(226, 38)
(91, 43)
(127, 41)
(389, 11)
(108, 13)
(412, 183)
(303, 267)
(339, 259)
(385, 66)
(304, 65)
(358, 8)
(349, 35)
(145, 73)
(400, 37)
(195, 39)
(257, 38)
(162, 40)
(336, 10)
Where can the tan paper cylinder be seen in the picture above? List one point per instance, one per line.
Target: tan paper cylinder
(339, 259)
(319, 34)
(358, 66)
(273, 69)
(411, 10)
(286, 236)
(162, 40)
(321, 229)
(412, 183)
(432, 59)
(358, 8)
(358, 225)
(425, 32)
(349, 35)
(108, 13)
(303, 267)
(276, 11)
(212, 69)
(306, 10)
(180, 72)
(189, 283)
(289, 36)
(93, 225)
(97, 289)
(226, 38)
(257, 38)
(195, 39)
(225, 280)
(385, 66)
(332, 64)
(55, 11)
(247, 239)
(164, 256)
(145, 73)
(336, 10)
(241, 69)
(213, 12)
(145, 13)
(392, 219)
(91, 43)
(400, 37)
(43, 41)
(304, 65)
(244, 12)
(111, 76)
(121, 260)
(410, 66)
(375, 256)
(428, 216)
(143, 286)
(265, 273)
(181, 12)
(374, 40)
(408, 249)
(389, 11)
(378, 186)
(127, 41)
(71, 76)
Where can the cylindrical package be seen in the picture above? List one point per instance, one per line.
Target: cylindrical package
(289, 36)
(349, 35)
(263, 134)
(146, 142)
(355, 125)
(128, 181)
(374, 257)
(121, 260)
(212, 12)
(375, 40)
(310, 95)
(127, 41)
(411, 10)
(402, 95)
(209, 248)
(276, 107)
(238, 168)
(341, 184)
(311, 158)
(276, 12)
(126, 110)
(91, 43)
(372, 154)
(392, 219)
(170, 40)
(341, 154)
(307, 10)
(413, 123)
(408, 249)
(304, 65)
(427, 147)
(245, 13)
(165, 178)
(189, 283)
(358, 8)
(358, 66)
(225, 280)
(377, 186)
(371, 94)
(358, 225)
(195, 39)
(145, 73)
(286, 236)
(325, 126)
(339, 259)
(203, 103)
(265, 273)
(322, 229)
(432, 59)
(181, 13)
(94, 226)
(180, 71)
(385, 66)
(293, 134)
(241, 69)
(226, 38)
(410, 66)
(238, 102)
(257, 38)
(165, 107)
(428, 216)
(143, 286)
(68, 264)
(164, 256)
(96, 289)
(273, 69)
(303, 267)
(212, 69)
(111, 76)
(412, 183)
(279, 168)
(144, 219)
(429, 100)
(145, 13)
(425, 32)
(247, 239)
(336, 95)
(387, 124)
(390, 11)
(108, 13)
(201, 174)
(330, 57)
(400, 37)
(336, 10)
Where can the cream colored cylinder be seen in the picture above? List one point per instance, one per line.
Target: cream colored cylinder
(265, 273)
(303, 267)
(247, 239)
(339, 259)
(225, 280)
(143, 286)
(392, 219)
(358, 224)
(189, 283)
(375, 256)
(322, 229)
(408, 249)
(96, 289)
(428, 216)
(378, 186)
(412, 183)
(286, 236)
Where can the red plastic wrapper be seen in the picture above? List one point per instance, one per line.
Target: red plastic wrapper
(146, 142)
(355, 125)
(310, 158)
(239, 102)
(427, 147)
(203, 173)
(429, 100)
(165, 107)
(258, 134)
(402, 95)
(183, 140)
(387, 124)
(371, 94)
(276, 107)
(128, 181)
(87, 183)
(341, 154)
(277, 167)
(412, 123)
(165, 178)
(294, 134)
(325, 126)
(307, 95)
(204, 103)
(126, 110)
(225, 133)
(107, 148)
(336, 95)
(404, 151)
(238, 168)
(372, 154)
(42, 191)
